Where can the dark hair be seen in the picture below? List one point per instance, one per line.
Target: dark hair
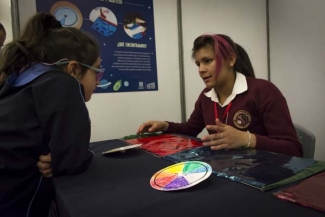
(224, 47)
(2, 28)
(45, 40)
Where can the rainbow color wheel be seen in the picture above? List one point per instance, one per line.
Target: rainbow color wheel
(180, 176)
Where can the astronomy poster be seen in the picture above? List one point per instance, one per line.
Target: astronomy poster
(125, 32)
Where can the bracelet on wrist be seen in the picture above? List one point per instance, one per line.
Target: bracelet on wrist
(249, 139)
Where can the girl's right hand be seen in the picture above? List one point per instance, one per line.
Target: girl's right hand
(152, 127)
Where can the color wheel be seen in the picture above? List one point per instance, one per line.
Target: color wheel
(180, 176)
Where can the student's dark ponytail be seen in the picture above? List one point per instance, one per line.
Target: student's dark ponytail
(18, 53)
(38, 27)
(2, 28)
(243, 63)
(45, 40)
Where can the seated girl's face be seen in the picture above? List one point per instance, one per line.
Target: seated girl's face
(90, 81)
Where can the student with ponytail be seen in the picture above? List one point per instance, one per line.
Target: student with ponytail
(46, 76)
(237, 109)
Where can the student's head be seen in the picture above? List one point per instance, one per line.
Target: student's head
(217, 56)
(45, 40)
(2, 35)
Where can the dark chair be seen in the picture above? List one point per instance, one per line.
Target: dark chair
(307, 140)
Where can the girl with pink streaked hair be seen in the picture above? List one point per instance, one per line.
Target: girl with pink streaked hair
(237, 109)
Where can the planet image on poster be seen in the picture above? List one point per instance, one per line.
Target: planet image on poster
(126, 83)
(180, 176)
(104, 21)
(134, 25)
(104, 84)
(67, 13)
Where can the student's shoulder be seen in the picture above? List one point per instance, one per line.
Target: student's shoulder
(56, 83)
(205, 90)
(204, 96)
(56, 78)
(262, 87)
(204, 93)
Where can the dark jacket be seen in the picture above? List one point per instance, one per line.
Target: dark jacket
(41, 111)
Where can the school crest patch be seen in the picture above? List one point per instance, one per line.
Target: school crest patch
(242, 119)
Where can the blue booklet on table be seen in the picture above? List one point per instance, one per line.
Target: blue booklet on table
(260, 169)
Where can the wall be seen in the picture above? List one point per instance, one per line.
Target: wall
(118, 114)
(232, 17)
(27, 8)
(296, 27)
(5, 18)
(243, 21)
(297, 46)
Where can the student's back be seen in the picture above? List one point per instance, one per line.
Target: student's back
(43, 111)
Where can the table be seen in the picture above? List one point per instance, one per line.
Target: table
(119, 185)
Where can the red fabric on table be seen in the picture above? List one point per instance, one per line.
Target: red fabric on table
(309, 193)
(165, 144)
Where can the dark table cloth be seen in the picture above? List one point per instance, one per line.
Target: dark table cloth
(119, 185)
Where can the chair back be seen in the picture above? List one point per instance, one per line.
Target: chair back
(307, 140)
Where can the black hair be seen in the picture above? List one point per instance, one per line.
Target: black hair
(224, 46)
(45, 40)
(2, 28)
(243, 63)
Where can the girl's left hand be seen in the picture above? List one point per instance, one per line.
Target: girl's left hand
(44, 165)
(227, 137)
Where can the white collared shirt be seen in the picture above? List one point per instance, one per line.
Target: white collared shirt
(240, 86)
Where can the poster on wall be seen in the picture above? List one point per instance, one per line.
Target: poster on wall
(125, 32)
